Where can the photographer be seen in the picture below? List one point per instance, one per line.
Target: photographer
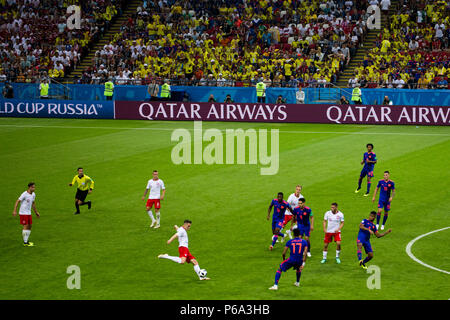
(8, 91)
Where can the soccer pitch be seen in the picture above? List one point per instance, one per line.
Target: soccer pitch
(117, 251)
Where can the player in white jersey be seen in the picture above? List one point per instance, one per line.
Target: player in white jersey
(293, 201)
(155, 185)
(27, 202)
(183, 249)
(335, 220)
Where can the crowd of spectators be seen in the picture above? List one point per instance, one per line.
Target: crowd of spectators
(287, 43)
(413, 52)
(35, 40)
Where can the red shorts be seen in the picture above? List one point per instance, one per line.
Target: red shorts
(184, 252)
(157, 203)
(329, 237)
(287, 218)
(25, 219)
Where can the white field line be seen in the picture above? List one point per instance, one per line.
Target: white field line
(191, 129)
(410, 244)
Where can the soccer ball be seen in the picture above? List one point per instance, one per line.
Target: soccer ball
(203, 273)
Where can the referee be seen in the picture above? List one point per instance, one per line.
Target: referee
(85, 185)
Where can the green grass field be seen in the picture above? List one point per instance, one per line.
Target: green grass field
(117, 251)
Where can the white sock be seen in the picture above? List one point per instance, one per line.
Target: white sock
(325, 254)
(197, 269)
(174, 259)
(25, 235)
(150, 213)
(337, 253)
(288, 231)
(158, 215)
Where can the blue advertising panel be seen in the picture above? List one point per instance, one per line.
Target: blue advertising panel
(56, 109)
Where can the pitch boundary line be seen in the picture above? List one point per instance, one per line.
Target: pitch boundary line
(408, 251)
(189, 129)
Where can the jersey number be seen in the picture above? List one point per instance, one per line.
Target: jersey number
(299, 245)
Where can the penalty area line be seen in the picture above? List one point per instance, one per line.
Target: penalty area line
(410, 244)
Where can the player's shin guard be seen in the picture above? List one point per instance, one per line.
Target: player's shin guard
(274, 240)
(158, 216)
(150, 214)
(277, 276)
(378, 218)
(385, 218)
(197, 269)
(25, 235)
(299, 273)
(174, 259)
(359, 255)
(367, 259)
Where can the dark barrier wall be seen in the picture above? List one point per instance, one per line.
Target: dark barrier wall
(314, 113)
(57, 109)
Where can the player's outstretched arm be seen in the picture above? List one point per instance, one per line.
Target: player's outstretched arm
(392, 195)
(374, 194)
(91, 185)
(35, 209)
(268, 211)
(379, 235)
(362, 227)
(305, 256)
(176, 227)
(73, 181)
(15, 208)
(145, 194)
(284, 253)
(172, 238)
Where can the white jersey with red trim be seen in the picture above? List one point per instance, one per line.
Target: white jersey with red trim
(334, 220)
(293, 201)
(155, 187)
(182, 237)
(26, 202)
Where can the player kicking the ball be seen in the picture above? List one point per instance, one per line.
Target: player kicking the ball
(185, 255)
(279, 208)
(27, 201)
(155, 185)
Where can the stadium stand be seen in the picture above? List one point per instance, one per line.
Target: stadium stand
(35, 40)
(232, 42)
(285, 43)
(411, 52)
